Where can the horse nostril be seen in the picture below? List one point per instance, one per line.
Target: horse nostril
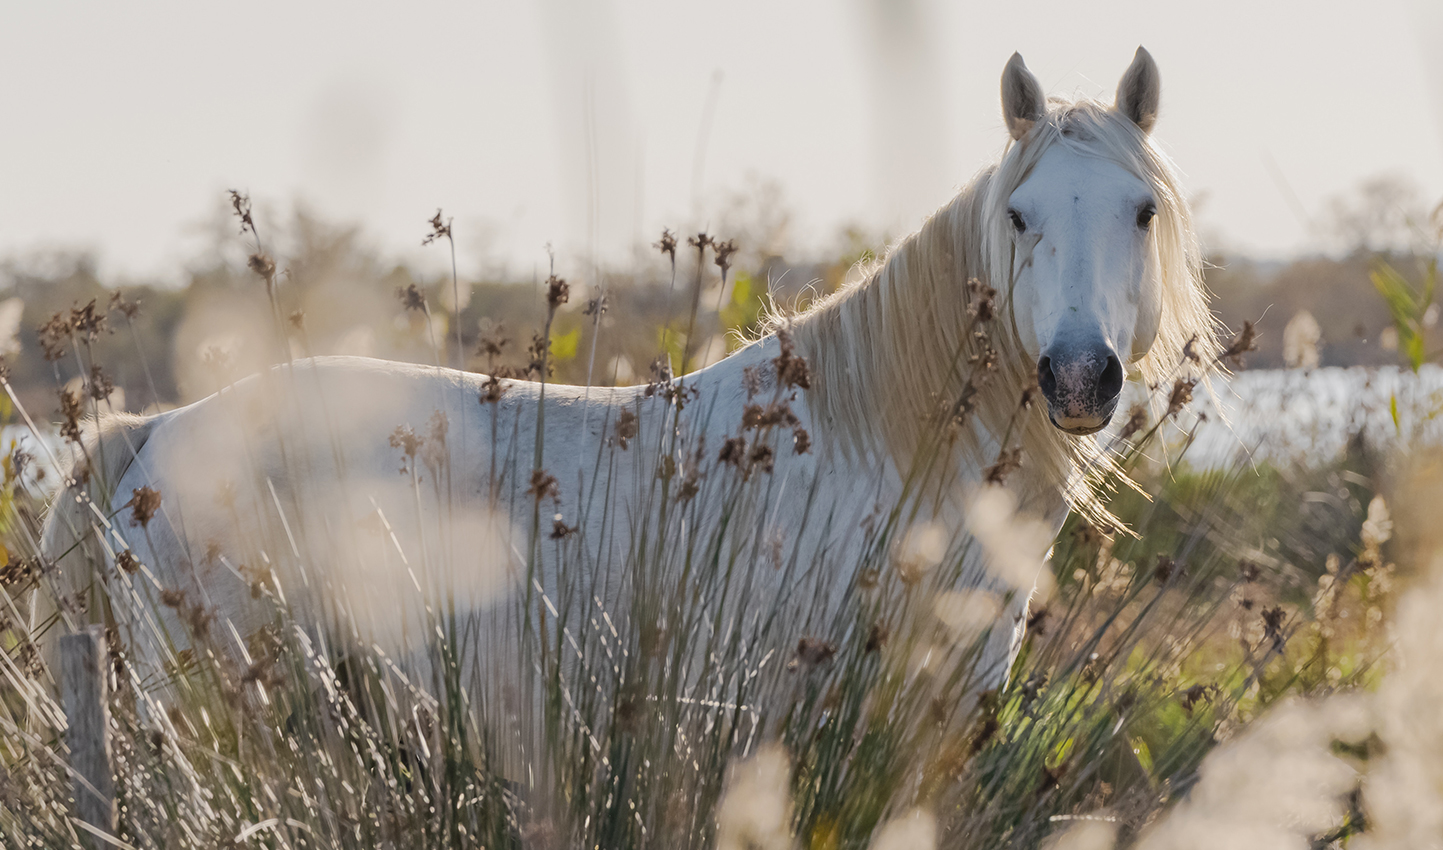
(1046, 381)
(1110, 382)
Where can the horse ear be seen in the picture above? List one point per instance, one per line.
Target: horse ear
(1140, 90)
(1022, 101)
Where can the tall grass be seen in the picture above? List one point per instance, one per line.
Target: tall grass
(682, 706)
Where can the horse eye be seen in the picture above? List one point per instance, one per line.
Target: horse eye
(1144, 215)
(1017, 223)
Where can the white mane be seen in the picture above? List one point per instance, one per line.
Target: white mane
(882, 349)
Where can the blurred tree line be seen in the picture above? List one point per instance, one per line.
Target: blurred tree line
(334, 295)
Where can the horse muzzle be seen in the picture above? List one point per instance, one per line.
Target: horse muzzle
(1081, 385)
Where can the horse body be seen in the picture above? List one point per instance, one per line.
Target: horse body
(375, 495)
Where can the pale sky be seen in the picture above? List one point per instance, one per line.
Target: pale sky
(580, 122)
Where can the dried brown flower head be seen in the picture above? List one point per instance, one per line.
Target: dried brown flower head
(492, 389)
(409, 442)
(17, 570)
(1136, 421)
(596, 307)
(412, 297)
(779, 413)
(733, 452)
(128, 309)
(100, 385)
(1037, 620)
(493, 341)
(763, 458)
(626, 427)
(801, 440)
(1008, 461)
(982, 302)
(144, 503)
(1273, 626)
(127, 562)
(439, 229)
(1181, 395)
(543, 485)
(560, 530)
(54, 335)
(700, 242)
(752, 381)
(877, 637)
(1189, 351)
(241, 203)
(1166, 568)
(558, 292)
(262, 264)
(1245, 341)
(667, 243)
(72, 412)
(724, 252)
(812, 652)
(1194, 695)
(792, 370)
(539, 365)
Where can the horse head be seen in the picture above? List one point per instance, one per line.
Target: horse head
(1080, 212)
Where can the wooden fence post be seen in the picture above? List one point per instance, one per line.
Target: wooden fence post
(83, 693)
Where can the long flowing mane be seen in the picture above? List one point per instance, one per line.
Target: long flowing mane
(883, 348)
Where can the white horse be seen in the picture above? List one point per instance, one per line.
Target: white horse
(751, 494)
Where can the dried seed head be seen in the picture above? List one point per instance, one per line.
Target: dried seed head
(877, 637)
(801, 440)
(733, 452)
(409, 442)
(127, 562)
(700, 242)
(792, 369)
(1181, 395)
(558, 292)
(262, 264)
(492, 389)
(812, 652)
(1189, 351)
(100, 385)
(667, 244)
(54, 335)
(493, 340)
(242, 205)
(144, 503)
(1165, 568)
(752, 381)
(539, 365)
(763, 458)
(439, 229)
(626, 427)
(724, 251)
(560, 530)
(1008, 460)
(982, 303)
(412, 297)
(129, 309)
(543, 485)
(596, 307)
(1245, 341)
(1136, 421)
(72, 412)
